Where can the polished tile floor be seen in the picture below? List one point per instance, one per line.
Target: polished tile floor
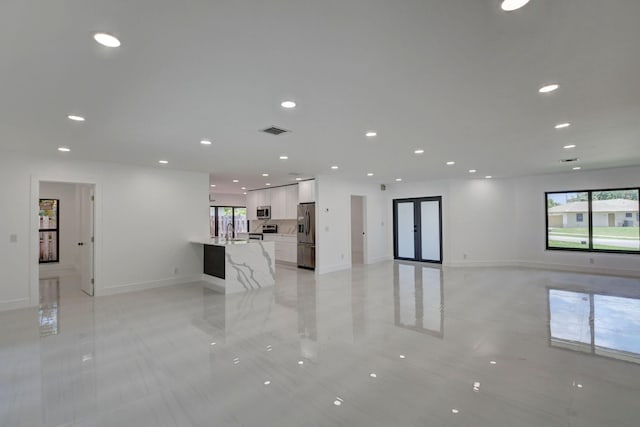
(391, 344)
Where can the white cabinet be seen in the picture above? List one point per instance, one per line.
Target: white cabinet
(264, 197)
(286, 247)
(252, 205)
(291, 206)
(283, 202)
(279, 203)
(307, 191)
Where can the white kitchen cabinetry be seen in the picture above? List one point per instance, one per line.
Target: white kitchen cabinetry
(279, 203)
(252, 205)
(291, 207)
(264, 197)
(286, 247)
(284, 202)
(307, 191)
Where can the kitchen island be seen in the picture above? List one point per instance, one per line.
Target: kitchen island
(237, 265)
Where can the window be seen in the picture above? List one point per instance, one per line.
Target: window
(594, 220)
(222, 217)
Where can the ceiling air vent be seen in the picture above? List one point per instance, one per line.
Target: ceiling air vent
(274, 130)
(574, 159)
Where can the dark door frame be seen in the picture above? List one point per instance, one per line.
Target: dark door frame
(417, 227)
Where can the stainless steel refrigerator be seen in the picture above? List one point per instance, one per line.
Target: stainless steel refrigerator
(307, 235)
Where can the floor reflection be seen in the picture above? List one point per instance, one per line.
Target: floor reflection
(48, 308)
(603, 325)
(418, 293)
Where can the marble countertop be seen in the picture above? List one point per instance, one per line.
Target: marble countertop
(222, 242)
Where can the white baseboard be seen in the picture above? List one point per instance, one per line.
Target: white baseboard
(14, 304)
(380, 259)
(333, 268)
(132, 287)
(591, 269)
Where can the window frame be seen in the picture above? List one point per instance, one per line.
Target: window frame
(589, 221)
(233, 217)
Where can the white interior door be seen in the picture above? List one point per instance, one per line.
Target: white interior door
(86, 243)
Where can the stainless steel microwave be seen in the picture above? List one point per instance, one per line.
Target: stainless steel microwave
(264, 212)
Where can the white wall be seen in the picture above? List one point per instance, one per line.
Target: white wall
(68, 210)
(502, 221)
(333, 214)
(529, 237)
(223, 199)
(144, 220)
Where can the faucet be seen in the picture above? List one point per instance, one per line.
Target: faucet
(227, 231)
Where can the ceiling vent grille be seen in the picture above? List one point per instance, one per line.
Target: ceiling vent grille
(274, 130)
(574, 159)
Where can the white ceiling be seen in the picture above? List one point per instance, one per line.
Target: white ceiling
(457, 78)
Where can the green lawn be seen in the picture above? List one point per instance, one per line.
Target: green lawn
(598, 231)
(577, 245)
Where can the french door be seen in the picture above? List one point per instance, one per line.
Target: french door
(417, 229)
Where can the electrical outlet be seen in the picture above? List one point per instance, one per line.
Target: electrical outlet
(13, 238)
(342, 256)
(176, 271)
(464, 256)
(590, 260)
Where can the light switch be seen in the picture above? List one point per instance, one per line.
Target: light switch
(13, 238)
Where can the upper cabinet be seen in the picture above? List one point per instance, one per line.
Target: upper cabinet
(252, 205)
(283, 202)
(307, 191)
(278, 203)
(291, 195)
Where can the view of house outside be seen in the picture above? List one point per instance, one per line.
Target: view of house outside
(615, 215)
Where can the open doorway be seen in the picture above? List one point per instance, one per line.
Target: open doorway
(358, 235)
(66, 244)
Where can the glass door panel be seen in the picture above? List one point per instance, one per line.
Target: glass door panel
(406, 230)
(430, 230)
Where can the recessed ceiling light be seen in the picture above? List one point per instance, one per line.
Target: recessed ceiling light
(472, 171)
(398, 179)
(562, 125)
(106, 40)
(371, 133)
(510, 5)
(213, 185)
(369, 173)
(205, 142)
(548, 88)
(244, 193)
(288, 104)
(567, 147)
(64, 149)
(418, 151)
(283, 157)
(576, 168)
(243, 188)
(298, 179)
(334, 167)
(455, 411)
(235, 180)
(265, 174)
(488, 177)
(163, 162)
(451, 163)
(267, 183)
(75, 118)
